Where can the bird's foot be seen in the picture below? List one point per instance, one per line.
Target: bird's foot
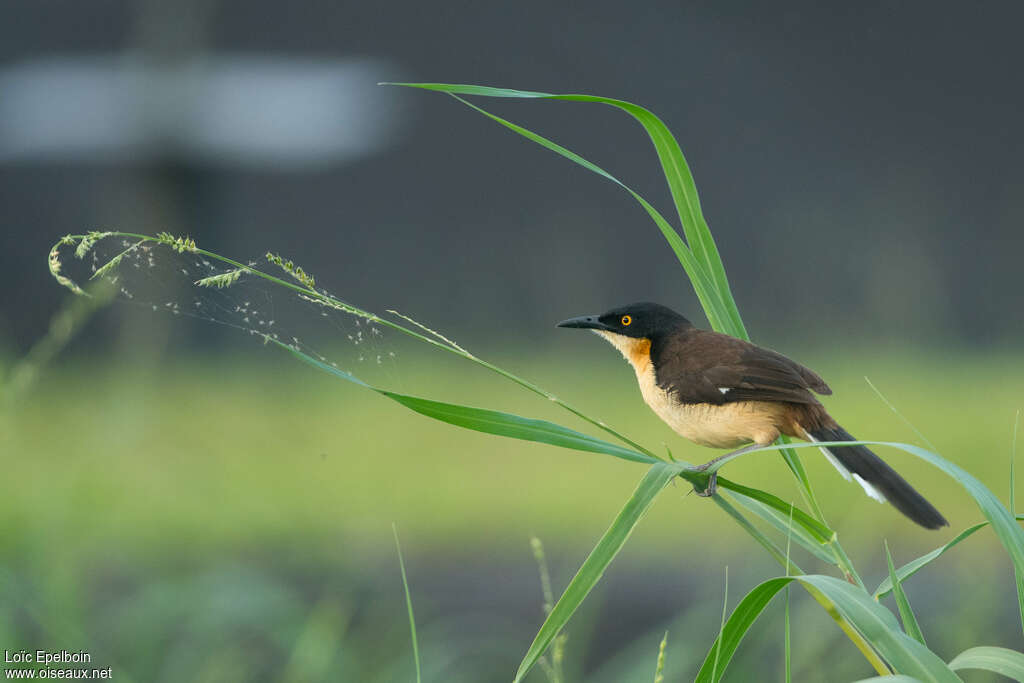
(712, 486)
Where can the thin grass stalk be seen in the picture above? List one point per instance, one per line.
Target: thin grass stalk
(372, 317)
(718, 643)
(408, 604)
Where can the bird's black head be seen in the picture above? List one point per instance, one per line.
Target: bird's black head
(640, 320)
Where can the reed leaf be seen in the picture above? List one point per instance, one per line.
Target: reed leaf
(1000, 660)
(910, 625)
(877, 624)
(654, 481)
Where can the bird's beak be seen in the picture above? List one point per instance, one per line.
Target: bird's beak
(586, 322)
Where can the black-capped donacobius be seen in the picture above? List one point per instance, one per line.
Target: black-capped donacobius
(723, 392)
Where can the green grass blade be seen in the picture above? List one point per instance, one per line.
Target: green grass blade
(998, 660)
(1003, 523)
(654, 481)
(1018, 576)
(1013, 458)
(721, 625)
(736, 627)
(912, 567)
(677, 174)
(514, 426)
(1018, 573)
(816, 529)
(890, 679)
(408, 603)
(877, 624)
(781, 524)
(716, 308)
(785, 562)
(786, 643)
(910, 625)
(487, 421)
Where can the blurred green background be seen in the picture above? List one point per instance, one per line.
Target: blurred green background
(189, 506)
(230, 520)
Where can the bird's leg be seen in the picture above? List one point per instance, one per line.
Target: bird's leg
(713, 479)
(712, 486)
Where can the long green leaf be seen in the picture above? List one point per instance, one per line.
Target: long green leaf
(677, 174)
(507, 424)
(878, 625)
(780, 523)
(542, 431)
(654, 481)
(785, 562)
(820, 532)
(1000, 660)
(889, 679)
(709, 283)
(912, 567)
(910, 624)
(1003, 523)
(488, 421)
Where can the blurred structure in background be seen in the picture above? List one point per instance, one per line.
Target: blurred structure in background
(847, 161)
(228, 112)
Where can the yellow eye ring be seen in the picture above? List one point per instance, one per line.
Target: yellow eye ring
(626, 320)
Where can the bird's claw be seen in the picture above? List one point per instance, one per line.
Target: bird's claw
(712, 486)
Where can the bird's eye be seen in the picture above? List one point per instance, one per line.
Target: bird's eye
(626, 320)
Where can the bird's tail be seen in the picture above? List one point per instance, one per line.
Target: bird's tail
(880, 481)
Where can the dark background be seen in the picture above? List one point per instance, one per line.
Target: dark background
(859, 164)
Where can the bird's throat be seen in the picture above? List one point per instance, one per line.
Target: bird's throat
(635, 350)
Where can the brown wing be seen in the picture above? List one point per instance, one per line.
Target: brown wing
(709, 367)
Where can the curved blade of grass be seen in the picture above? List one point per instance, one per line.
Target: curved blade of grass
(998, 660)
(703, 282)
(1003, 523)
(487, 421)
(656, 478)
(542, 431)
(877, 624)
(820, 532)
(677, 173)
(514, 426)
(408, 603)
(910, 625)
(912, 567)
(890, 679)
(780, 523)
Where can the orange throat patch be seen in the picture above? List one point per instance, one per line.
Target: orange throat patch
(635, 350)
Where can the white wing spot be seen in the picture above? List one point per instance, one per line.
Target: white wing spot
(724, 390)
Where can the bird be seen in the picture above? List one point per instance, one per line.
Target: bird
(723, 392)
